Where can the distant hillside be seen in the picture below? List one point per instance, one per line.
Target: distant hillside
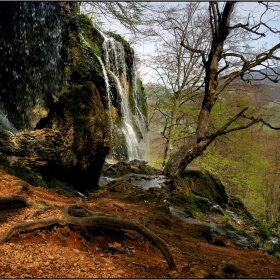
(269, 92)
(262, 78)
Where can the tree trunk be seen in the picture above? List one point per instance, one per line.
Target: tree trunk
(186, 154)
(195, 147)
(171, 130)
(198, 143)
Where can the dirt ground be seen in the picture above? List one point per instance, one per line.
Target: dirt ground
(75, 252)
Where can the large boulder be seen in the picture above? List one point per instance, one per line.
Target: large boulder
(80, 117)
(205, 184)
(31, 149)
(70, 144)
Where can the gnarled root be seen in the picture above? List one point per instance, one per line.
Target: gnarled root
(78, 215)
(100, 219)
(28, 226)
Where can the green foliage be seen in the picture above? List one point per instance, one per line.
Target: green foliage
(155, 161)
(85, 24)
(246, 160)
(96, 49)
(175, 117)
(87, 28)
(265, 230)
(276, 251)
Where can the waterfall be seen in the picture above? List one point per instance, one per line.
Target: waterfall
(6, 124)
(140, 119)
(116, 67)
(128, 131)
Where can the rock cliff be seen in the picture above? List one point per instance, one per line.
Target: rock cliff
(69, 93)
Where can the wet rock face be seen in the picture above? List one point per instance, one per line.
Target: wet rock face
(39, 89)
(32, 35)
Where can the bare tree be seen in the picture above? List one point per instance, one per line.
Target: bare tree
(230, 58)
(177, 70)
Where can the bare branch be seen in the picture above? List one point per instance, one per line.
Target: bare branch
(255, 120)
(224, 68)
(235, 55)
(201, 52)
(223, 128)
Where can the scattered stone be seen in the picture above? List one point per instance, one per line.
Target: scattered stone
(228, 268)
(173, 274)
(219, 241)
(115, 246)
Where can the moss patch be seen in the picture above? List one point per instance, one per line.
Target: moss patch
(207, 185)
(30, 177)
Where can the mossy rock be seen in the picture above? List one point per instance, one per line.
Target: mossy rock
(235, 204)
(205, 184)
(123, 168)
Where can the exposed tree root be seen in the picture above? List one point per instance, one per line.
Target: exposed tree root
(28, 226)
(78, 215)
(101, 219)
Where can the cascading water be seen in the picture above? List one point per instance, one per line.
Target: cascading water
(128, 131)
(115, 71)
(140, 119)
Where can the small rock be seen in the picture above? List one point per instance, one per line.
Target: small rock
(173, 274)
(229, 268)
(115, 246)
(219, 241)
(198, 273)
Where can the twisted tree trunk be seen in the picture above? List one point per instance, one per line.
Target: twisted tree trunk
(197, 144)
